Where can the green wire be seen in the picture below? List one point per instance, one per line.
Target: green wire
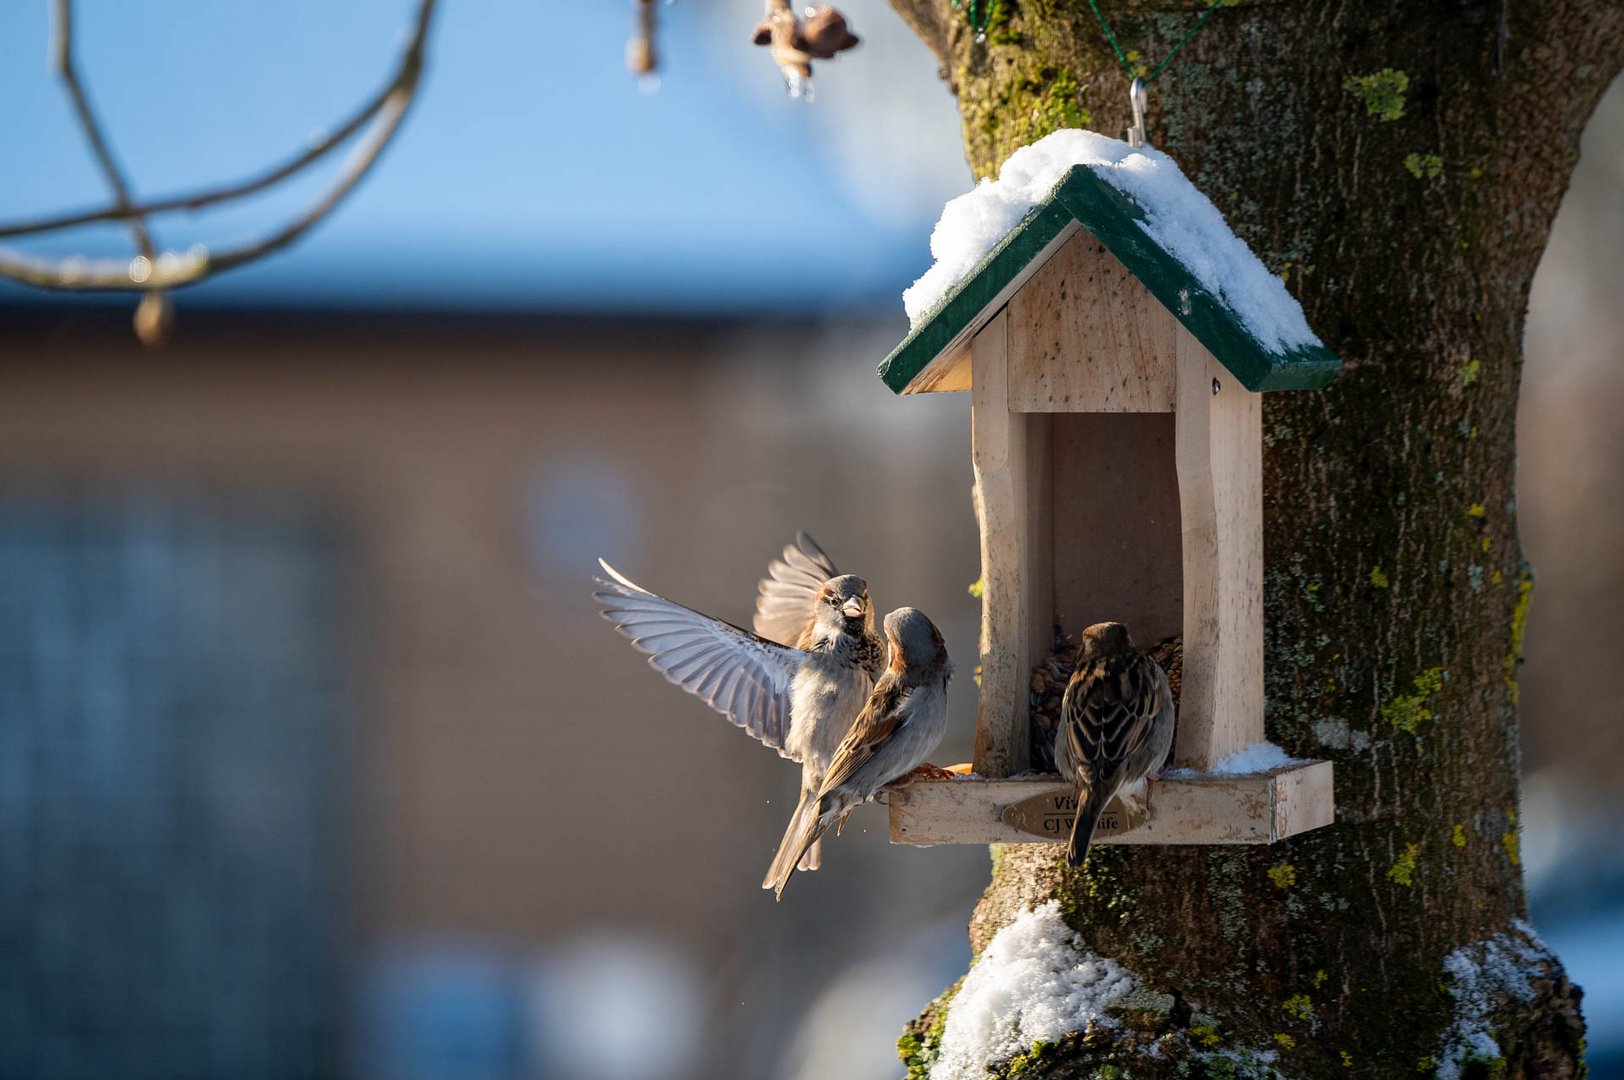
(980, 16)
(1100, 15)
(1117, 48)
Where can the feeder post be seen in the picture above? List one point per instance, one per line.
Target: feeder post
(1219, 447)
(1011, 457)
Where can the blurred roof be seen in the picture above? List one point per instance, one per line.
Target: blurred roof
(533, 170)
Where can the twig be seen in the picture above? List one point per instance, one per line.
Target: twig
(198, 200)
(171, 269)
(154, 304)
(62, 61)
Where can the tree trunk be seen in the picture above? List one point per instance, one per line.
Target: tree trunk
(1408, 215)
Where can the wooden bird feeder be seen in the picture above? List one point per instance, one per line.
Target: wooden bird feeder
(1116, 419)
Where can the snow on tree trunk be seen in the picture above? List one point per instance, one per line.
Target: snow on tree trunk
(1399, 165)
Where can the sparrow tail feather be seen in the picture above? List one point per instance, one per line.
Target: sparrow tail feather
(805, 827)
(1082, 827)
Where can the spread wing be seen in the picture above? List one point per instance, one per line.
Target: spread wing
(745, 677)
(870, 732)
(1108, 713)
(785, 595)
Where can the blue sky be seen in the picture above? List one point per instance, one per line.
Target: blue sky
(533, 170)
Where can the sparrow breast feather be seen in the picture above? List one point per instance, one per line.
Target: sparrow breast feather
(898, 728)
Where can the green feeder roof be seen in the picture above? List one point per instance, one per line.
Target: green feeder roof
(1085, 198)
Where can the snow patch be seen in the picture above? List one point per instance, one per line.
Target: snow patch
(1334, 732)
(1482, 977)
(1177, 217)
(1033, 983)
(1259, 757)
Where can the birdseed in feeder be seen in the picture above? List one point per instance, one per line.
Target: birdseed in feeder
(1048, 688)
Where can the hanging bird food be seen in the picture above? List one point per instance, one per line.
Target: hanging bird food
(641, 59)
(796, 41)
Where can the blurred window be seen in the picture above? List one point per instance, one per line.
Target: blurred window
(170, 754)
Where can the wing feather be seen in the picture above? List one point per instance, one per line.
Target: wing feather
(745, 677)
(871, 730)
(785, 595)
(1108, 714)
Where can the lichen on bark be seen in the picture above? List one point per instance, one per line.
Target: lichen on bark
(1404, 678)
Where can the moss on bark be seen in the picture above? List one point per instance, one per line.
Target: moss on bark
(1395, 586)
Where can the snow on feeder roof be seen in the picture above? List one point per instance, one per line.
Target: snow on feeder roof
(1135, 202)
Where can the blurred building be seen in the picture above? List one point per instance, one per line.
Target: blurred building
(318, 759)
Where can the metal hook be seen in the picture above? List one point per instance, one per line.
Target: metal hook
(1137, 94)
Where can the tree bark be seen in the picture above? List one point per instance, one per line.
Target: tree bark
(1409, 222)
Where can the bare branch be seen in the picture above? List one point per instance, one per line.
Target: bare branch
(67, 70)
(198, 200)
(381, 116)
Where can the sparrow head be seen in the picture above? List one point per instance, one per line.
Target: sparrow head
(1102, 640)
(843, 603)
(917, 648)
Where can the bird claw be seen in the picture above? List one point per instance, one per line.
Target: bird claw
(1135, 812)
(922, 772)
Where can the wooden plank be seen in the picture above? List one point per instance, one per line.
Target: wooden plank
(925, 364)
(1002, 451)
(1086, 336)
(952, 374)
(1038, 574)
(1220, 475)
(1117, 544)
(1305, 799)
(1257, 808)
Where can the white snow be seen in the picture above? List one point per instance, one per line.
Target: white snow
(1034, 982)
(1259, 757)
(1178, 217)
(1482, 977)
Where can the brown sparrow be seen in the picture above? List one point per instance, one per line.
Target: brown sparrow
(898, 728)
(786, 612)
(1116, 727)
(798, 699)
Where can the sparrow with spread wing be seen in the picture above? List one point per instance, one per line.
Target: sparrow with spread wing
(898, 728)
(1116, 727)
(787, 603)
(797, 698)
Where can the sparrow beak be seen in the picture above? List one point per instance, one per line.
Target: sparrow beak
(852, 608)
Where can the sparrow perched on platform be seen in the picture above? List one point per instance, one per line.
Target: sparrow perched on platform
(787, 607)
(798, 698)
(1116, 727)
(898, 728)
